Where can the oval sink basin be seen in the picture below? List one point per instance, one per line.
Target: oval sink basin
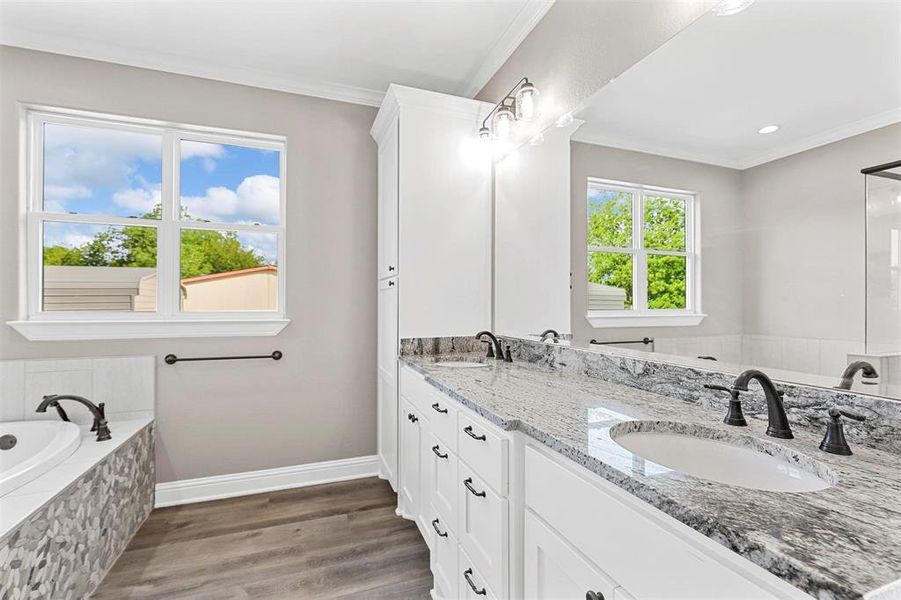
(460, 364)
(723, 457)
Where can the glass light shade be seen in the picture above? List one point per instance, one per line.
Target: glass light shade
(503, 122)
(527, 102)
(484, 133)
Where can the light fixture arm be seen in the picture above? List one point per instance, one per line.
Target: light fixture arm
(510, 96)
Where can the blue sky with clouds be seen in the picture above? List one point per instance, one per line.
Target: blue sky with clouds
(111, 172)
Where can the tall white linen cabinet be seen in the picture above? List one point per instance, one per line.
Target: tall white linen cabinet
(434, 235)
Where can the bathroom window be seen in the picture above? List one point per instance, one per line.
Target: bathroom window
(135, 228)
(643, 259)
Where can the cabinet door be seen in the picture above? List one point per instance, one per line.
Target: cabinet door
(388, 203)
(442, 481)
(482, 527)
(553, 570)
(387, 379)
(410, 461)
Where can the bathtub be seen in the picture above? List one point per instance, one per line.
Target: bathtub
(39, 446)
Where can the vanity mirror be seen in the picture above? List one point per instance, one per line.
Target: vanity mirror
(717, 202)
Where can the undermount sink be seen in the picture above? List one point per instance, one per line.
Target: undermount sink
(460, 364)
(720, 456)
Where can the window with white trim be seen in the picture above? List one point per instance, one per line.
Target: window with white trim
(150, 229)
(643, 259)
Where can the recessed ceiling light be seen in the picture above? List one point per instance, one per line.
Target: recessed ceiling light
(731, 7)
(768, 129)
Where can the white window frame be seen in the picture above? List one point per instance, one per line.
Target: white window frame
(640, 315)
(168, 321)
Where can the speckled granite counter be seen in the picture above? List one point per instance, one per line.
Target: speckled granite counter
(842, 542)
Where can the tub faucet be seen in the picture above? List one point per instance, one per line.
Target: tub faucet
(99, 412)
(778, 422)
(868, 372)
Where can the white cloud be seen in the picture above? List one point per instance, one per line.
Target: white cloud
(266, 244)
(139, 200)
(256, 200)
(91, 157)
(190, 149)
(61, 193)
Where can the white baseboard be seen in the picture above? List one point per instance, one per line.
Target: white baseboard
(203, 489)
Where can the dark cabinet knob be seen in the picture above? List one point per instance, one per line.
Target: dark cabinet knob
(590, 595)
(390, 268)
(390, 284)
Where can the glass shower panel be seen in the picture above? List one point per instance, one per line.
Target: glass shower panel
(883, 193)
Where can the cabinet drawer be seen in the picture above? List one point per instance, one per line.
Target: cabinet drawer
(442, 415)
(471, 584)
(483, 449)
(611, 533)
(417, 391)
(443, 482)
(554, 569)
(483, 527)
(444, 560)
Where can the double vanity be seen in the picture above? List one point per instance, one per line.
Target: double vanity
(530, 481)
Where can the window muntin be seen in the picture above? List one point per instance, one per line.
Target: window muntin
(641, 257)
(122, 215)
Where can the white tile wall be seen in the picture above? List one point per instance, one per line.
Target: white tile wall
(124, 384)
(803, 355)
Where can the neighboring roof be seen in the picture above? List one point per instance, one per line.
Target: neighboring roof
(227, 274)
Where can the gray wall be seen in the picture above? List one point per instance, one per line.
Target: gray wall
(318, 403)
(721, 214)
(805, 217)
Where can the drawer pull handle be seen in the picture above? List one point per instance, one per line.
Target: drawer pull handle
(437, 408)
(390, 268)
(468, 431)
(438, 531)
(479, 592)
(413, 418)
(468, 483)
(590, 595)
(390, 284)
(438, 454)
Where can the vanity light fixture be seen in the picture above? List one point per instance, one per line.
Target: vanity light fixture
(520, 104)
(769, 129)
(728, 8)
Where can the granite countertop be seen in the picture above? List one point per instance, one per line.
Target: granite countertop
(841, 542)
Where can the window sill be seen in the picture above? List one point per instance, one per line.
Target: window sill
(147, 329)
(601, 321)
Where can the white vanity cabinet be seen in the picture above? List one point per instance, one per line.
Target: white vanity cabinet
(434, 235)
(506, 517)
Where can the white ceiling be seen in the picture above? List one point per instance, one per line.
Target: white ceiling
(341, 49)
(823, 70)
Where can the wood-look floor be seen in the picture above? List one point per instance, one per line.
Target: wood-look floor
(339, 540)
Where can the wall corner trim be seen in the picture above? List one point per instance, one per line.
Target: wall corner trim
(217, 487)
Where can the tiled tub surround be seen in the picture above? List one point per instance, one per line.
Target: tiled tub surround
(842, 542)
(61, 533)
(125, 384)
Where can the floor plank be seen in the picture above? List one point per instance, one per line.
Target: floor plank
(339, 540)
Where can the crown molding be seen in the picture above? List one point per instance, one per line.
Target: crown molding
(877, 121)
(181, 65)
(532, 12)
(586, 136)
(399, 96)
(890, 117)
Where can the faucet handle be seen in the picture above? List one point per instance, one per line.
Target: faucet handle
(834, 441)
(490, 348)
(734, 416)
(835, 413)
(717, 387)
